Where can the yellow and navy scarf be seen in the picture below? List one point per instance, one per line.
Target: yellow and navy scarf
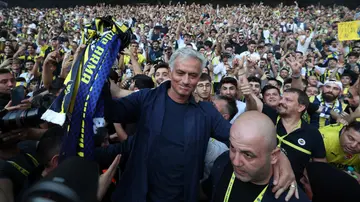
(80, 107)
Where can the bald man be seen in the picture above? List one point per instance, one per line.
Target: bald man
(248, 174)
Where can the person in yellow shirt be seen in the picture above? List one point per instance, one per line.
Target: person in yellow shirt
(342, 144)
(346, 81)
(25, 56)
(134, 46)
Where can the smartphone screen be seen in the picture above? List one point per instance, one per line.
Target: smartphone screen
(17, 95)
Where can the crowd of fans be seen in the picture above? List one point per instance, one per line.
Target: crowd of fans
(285, 61)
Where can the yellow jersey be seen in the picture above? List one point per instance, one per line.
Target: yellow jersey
(334, 153)
(141, 59)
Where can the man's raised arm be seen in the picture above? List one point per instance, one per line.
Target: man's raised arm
(124, 110)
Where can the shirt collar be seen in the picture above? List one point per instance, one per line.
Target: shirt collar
(167, 84)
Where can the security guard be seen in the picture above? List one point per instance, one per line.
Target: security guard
(247, 175)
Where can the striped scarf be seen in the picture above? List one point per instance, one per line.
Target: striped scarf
(80, 107)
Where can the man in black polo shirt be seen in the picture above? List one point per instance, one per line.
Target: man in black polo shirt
(300, 141)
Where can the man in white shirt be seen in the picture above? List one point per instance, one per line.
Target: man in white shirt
(291, 26)
(29, 65)
(182, 42)
(304, 41)
(251, 53)
(266, 33)
(220, 69)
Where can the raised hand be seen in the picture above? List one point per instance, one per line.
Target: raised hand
(127, 51)
(244, 86)
(294, 64)
(105, 179)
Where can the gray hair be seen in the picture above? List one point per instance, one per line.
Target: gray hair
(184, 53)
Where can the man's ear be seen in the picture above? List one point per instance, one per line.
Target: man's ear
(54, 161)
(302, 108)
(275, 155)
(170, 74)
(226, 116)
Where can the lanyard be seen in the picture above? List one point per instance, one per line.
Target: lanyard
(282, 139)
(231, 183)
(23, 170)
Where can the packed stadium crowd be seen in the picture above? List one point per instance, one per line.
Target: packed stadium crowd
(208, 103)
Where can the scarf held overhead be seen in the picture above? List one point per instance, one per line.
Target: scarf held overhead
(79, 107)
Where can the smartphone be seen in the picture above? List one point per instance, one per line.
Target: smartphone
(17, 95)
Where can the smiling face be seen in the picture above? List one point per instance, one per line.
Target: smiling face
(161, 75)
(272, 98)
(255, 87)
(228, 90)
(289, 104)
(185, 76)
(251, 48)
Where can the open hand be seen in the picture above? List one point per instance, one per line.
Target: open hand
(294, 64)
(105, 179)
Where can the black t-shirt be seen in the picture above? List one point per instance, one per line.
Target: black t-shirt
(8, 171)
(238, 48)
(306, 137)
(4, 100)
(166, 173)
(241, 191)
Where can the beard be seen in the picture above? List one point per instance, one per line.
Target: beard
(280, 108)
(329, 97)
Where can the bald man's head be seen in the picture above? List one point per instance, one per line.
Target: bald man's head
(255, 124)
(253, 148)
